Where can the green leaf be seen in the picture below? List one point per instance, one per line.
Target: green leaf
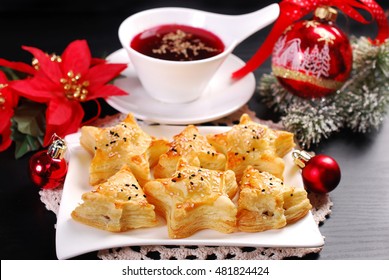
(26, 145)
(30, 119)
(28, 127)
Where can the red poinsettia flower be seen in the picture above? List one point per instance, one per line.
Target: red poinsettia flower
(65, 81)
(8, 101)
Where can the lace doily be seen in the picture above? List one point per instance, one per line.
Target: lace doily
(321, 208)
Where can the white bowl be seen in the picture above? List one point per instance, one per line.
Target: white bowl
(185, 81)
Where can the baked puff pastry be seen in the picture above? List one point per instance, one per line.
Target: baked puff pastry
(194, 199)
(192, 147)
(260, 203)
(250, 143)
(265, 202)
(117, 205)
(123, 144)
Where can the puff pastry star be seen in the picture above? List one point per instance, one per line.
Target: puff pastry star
(123, 144)
(260, 203)
(265, 202)
(195, 199)
(250, 143)
(117, 205)
(194, 148)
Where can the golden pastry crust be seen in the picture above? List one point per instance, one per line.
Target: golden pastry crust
(194, 199)
(296, 202)
(260, 204)
(194, 148)
(88, 138)
(117, 205)
(250, 143)
(265, 202)
(123, 144)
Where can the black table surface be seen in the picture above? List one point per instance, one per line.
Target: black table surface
(358, 227)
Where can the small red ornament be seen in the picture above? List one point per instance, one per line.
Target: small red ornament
(313, 58)
(320, 173)
(48, 168)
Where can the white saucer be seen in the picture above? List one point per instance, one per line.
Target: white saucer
(222, 97)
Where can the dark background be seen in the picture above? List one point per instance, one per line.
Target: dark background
(358, 227)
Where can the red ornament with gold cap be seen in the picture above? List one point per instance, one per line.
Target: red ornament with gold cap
(292, 11)
(313, 58)
(48, 168)
(320, 173)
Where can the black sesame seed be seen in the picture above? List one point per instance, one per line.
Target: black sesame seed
(127, 185)
(129, 198)
(124, 139)
(144, 196)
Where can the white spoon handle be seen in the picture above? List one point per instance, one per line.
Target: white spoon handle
(243, 26)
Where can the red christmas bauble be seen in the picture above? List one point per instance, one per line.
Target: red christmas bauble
(46, 172)
(48, 168)
(313, 58)
(321, 174)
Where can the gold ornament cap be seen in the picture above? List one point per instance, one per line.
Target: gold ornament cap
(57, 148)
(326, 13)
(300, 158)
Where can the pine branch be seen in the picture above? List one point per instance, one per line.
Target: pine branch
(365, 97)
(312, 121)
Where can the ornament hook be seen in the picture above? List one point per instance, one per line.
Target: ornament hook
(57, 148)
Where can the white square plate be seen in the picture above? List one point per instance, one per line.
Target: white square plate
(74, 238)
